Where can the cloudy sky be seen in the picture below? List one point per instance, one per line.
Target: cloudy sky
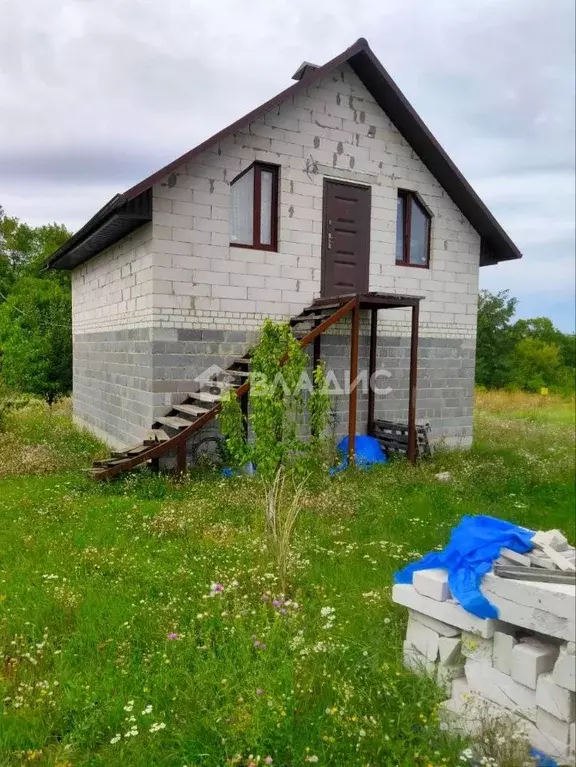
(96, 94)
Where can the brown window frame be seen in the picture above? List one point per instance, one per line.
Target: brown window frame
(257, 207)
(408, 196)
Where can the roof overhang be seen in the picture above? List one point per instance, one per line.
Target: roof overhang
(496, 245)
(114, 221)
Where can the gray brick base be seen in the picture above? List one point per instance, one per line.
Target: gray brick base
(124, 379)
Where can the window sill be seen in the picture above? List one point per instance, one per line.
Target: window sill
(272, 248)
(413, 266)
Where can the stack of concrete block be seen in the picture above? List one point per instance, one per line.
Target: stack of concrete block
(521, 667)
(551, 551)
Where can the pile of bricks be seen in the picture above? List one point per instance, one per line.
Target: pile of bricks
(522, 666)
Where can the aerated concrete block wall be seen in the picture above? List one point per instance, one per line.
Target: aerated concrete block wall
(205, 300)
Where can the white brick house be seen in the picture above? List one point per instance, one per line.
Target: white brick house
(178, 272)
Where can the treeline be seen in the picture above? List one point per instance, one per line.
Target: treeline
(525, 354)
(35, 311)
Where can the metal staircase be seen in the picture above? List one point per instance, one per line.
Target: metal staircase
(170, 433)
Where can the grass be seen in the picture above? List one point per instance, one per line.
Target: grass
(117, 649)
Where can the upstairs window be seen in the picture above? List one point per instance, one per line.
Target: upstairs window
(412, 231)
(254, 208)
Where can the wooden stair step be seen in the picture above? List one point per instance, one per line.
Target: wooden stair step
(240, 373)
(137, 450)
(174, 421)
(223, 385)
(155, 436)
(243, 361)
(204, 396)
(190, 409)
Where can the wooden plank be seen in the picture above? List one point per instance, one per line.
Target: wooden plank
(353, 400)
(204, 396)
(137, 450)
(413, 384)
(174, 421)
(191, 409)
(372, 368)
(223, 385)
(239, 373)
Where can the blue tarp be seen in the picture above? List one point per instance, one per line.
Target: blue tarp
(542, 760)
(367, 452)
(474, 545)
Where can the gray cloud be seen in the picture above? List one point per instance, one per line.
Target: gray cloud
(96, 94)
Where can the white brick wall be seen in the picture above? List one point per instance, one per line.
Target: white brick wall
(180, 271)
(335, 130)
(114, 289)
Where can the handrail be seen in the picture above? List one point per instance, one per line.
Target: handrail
(178, 439)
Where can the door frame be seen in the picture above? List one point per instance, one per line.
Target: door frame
(324, 249)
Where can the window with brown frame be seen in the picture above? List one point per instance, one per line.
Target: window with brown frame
(254, 208)
(413, 223)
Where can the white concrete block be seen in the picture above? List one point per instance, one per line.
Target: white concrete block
(553, 538)
(550, 746)
(424, 639)
(556, 598)
(564, 673)
(476, 648)
(552, 727)
(546, 608)
(466, 713)
(445, 676)
(530, 659)
(416, 662)
(450, 650)
(554, 699)
(432, 583)
(561, 562)
(440, 628)
(447, 612)
(502, 652)
(515, 557)
(573, 738)
(501, 689)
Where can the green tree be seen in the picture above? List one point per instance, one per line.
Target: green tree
(36, 338)
(543, 329)
(278, 448)
(24, 250)
(536, 364)
(496, 338)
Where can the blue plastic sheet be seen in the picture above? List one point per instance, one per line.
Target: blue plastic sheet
(474, 545)
(367, 452)
(542, 760)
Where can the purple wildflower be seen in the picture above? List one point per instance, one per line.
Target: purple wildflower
(259, 691)
(173, 635)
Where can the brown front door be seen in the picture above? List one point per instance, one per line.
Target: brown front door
(345, 238)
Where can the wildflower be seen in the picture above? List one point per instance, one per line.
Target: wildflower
(173, 635)
(312, 758)
(216, 588)
(116, 738)
(157, 726)
(147, 710)
(259, 691)
(268, 760)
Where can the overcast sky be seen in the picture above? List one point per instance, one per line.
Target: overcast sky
(96, 94)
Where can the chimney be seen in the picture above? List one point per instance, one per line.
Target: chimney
(304, 70)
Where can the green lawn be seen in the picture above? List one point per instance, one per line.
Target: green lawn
(117, 651)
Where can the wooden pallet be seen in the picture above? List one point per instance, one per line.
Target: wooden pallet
(393, 436)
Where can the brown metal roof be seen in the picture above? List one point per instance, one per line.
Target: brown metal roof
(496, 244)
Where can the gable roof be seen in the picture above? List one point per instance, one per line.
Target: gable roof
(129, 210)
